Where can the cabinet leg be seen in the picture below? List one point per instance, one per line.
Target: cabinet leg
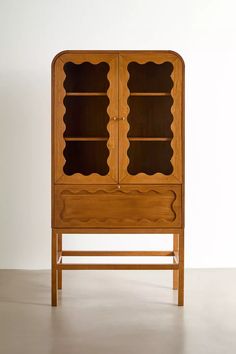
(181, 269)
(54, 269)
(59, 271)
(175, 272)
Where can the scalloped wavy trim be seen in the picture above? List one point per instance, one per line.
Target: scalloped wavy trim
(126, 140)
(94, 62)
(115, 191)
(142, 221)
(100, 191)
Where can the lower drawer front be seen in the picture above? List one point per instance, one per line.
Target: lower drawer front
(117, 206)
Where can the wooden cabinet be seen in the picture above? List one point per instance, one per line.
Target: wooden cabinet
(117, 151)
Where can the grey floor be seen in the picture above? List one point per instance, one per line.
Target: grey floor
(113, 312)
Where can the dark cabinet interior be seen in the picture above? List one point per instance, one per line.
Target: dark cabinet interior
(150, 118)
(86, 118)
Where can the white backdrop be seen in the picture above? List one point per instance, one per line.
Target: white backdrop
(32, 32)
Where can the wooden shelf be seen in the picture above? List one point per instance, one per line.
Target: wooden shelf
(149, 139)
(86, 94)
(150, 94)
(105, 94)
(85, 139)
(104, 139)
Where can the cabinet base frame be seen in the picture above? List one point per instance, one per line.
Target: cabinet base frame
(58, 253)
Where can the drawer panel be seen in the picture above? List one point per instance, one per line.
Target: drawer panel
(117, 206)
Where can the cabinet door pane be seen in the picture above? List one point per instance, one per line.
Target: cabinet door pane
(85, 103)
(150, 157)
(86, 157)
(86, 116)
(150, 103)
(150, 116)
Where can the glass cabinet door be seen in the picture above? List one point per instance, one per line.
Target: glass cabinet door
(150, 109)
(85, 99)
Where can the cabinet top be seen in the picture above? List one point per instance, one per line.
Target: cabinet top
(160, 52)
